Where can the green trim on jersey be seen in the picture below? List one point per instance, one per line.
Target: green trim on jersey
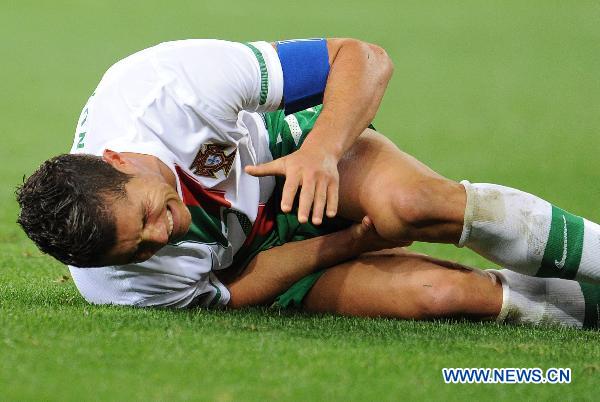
(205, 228)
(264, 74)
(217, 297)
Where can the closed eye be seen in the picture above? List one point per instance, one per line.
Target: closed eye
(134, 256)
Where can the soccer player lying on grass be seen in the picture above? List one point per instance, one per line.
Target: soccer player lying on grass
(169, 189)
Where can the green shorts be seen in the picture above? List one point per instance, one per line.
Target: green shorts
(286, 135)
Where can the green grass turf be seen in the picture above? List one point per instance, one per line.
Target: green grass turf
(504, 92)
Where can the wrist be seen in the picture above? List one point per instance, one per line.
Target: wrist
(321, 144)
(340, 246)
(354, 241)
(329, 134)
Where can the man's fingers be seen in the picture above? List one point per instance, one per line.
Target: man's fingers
(332, 199)
(288, 194)
(361, 229)
(273, 168)
(319, 202)
(365, 226)
(307, 194)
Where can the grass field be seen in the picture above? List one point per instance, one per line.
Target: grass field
(505, 92)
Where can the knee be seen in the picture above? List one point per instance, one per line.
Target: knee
(406, 210)
(442, 297)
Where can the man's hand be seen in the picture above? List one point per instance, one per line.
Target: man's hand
(273, 271)
(315, 170)
(365, 238)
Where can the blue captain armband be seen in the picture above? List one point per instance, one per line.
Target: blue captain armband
(305, 65)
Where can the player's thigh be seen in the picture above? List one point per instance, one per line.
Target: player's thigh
(407, 286)
(380, 180)
(373, 166)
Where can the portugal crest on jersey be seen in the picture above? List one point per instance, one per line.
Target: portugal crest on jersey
(212, 158)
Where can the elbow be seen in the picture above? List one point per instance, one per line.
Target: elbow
(236, 301)
(383, 60)
(376, 55)
(378, 58)
(234, 305)
(241, 295)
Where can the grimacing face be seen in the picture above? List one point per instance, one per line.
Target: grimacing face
(152, 213)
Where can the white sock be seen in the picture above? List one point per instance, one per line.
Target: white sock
(524, 233)
(539, 301)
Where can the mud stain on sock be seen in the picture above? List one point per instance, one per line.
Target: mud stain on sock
(488, 206)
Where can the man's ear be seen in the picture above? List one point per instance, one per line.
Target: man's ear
(116, 160)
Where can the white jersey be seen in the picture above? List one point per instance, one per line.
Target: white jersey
(193, 104)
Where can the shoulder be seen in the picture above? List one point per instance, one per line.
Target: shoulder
(174, 277)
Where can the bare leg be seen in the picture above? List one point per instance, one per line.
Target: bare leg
(405, 199)
(408, 201)
(404, 285)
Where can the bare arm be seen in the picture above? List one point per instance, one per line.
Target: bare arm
(274, 271)
(357, 80)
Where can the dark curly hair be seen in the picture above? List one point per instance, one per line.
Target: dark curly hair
(64, 208)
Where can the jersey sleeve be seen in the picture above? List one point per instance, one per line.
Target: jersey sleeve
(223, 78)
(171, 278)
